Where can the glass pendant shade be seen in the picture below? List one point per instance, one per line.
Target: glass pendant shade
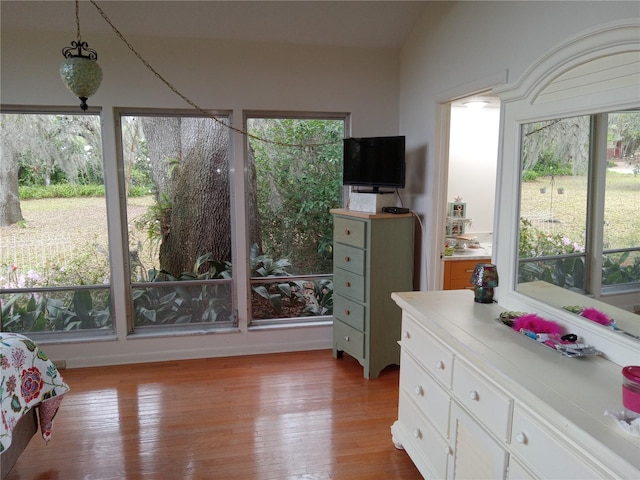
(82, 76)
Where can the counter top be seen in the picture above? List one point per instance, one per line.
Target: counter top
(484, 251)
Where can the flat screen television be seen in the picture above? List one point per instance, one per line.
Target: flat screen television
(375, 162)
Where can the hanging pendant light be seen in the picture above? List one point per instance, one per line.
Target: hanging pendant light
(80, 71)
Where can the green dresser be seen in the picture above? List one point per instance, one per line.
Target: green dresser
(372, 257)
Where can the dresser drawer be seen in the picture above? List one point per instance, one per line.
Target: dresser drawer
(460, 284)
(485, 400)
(349, 258)
(517, 471)
(424, 441)
(350, 232)
(349, 284)
(428, 395)
(429, 352)
(348, 339)
(349, 312)
(535, 445)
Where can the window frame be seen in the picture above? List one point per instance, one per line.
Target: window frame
(251, 281)
(81, 334)
(595, 215)
(172, 329)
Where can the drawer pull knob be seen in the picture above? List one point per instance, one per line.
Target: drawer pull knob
(440, 365)
(521, 438)
(419, 391)
(468, 271)
(347, 231)
(447, 450)
(347, 312)
(417, 433)
(347, 258)
(406, 335)
(473, 395)
(346, 338)
(347, 284)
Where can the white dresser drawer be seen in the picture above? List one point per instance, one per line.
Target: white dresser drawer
(430, 397)
(486, 401)
(422, 438)
(432, 354)
(517, 471)
(535, 445)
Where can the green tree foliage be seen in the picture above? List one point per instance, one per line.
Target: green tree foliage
(624, 131)
(297, 186)
(555, 147)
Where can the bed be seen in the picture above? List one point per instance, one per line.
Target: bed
(30, 383)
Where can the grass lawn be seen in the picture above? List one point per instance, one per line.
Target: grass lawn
(60, 229)
(565, 213)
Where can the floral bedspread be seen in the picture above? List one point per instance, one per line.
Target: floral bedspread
(29, 380)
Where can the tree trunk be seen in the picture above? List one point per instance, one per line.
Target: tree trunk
(10, 211)
(190, 164)
(255, 231)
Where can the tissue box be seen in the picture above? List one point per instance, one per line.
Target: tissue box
(370, 202)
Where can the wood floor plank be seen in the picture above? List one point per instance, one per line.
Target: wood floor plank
(282, 416)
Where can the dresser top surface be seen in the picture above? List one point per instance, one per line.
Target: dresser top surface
(367, 215)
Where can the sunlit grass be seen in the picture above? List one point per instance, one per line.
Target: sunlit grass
(566, 213)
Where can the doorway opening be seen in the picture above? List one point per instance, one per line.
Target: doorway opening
(472, 160)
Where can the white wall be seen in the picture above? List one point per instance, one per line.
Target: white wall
(458, 48)
(473, 158)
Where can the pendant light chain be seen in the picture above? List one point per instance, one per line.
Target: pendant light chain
(78, 22)
(184, 97)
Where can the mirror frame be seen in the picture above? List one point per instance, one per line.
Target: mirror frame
(534, 97)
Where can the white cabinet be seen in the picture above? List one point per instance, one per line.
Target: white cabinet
(476, 454)
(478, 400)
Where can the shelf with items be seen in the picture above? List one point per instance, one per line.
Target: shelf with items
(457, 220)
(457, 226)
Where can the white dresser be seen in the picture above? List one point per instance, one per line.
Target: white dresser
(480, 401)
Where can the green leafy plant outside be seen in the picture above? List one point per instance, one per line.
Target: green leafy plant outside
(175, 304)
(297, 186)
(68, 190)
(568, 272)
(315, 298)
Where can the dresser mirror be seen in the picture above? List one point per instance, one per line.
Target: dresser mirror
(565, 234)
(579, 210)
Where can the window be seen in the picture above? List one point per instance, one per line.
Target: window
(579, 203)
(177, 179)
(54, 249)
(294, 179)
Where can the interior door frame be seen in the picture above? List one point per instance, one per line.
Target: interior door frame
(485, 85)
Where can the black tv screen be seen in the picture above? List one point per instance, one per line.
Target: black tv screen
(376, 162)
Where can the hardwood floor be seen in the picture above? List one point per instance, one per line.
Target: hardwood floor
(280, 416)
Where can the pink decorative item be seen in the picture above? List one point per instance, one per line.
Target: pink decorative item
(596, 316)
(534, 323)
(631, 390)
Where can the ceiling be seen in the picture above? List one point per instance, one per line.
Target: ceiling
(374, 24)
